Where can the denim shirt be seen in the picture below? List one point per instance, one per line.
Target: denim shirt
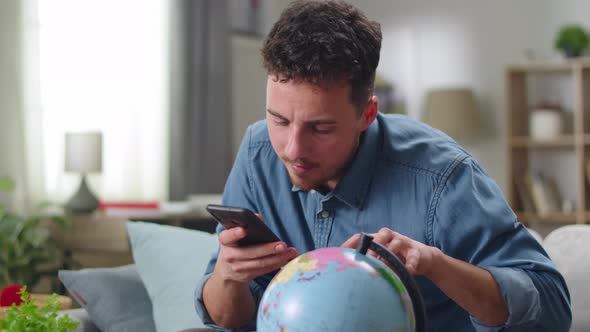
(420, 183)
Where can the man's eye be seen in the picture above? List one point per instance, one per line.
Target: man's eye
(281, 123)
(323, 129)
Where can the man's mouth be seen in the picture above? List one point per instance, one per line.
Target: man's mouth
(301, 169)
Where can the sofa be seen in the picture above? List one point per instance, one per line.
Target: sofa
(568, 246)
(156, 292)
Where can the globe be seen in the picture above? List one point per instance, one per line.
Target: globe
(335, 289)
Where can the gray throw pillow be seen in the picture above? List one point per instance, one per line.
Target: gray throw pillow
(115, 298)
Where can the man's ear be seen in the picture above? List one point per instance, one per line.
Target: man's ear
(370, 113)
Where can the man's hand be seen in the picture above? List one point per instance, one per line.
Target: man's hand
(473, 288)
(226, 294)
(417, 257)
(242, 264)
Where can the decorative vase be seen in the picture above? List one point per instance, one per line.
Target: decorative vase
(545, 123)
(571, 52)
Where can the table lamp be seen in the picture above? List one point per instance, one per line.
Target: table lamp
(83, 155)
(453, 111)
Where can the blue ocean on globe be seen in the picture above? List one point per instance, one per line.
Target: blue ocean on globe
(335, 289)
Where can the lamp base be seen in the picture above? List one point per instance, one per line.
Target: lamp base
(83, 201)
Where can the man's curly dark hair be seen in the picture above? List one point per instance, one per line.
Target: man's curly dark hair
(323, 42)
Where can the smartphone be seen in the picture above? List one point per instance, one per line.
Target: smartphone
(256, 231)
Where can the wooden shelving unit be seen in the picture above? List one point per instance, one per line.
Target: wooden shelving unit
(520, 144)
(564, 141)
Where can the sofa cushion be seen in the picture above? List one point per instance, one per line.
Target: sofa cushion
(170, 261)
(115, 298)
(568, 247)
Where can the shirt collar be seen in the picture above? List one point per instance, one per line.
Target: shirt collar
(352, 188)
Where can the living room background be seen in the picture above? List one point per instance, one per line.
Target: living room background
(127, 59)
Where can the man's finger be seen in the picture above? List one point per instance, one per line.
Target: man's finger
(266, 264)
(384, 236)
(262, 250)
(397, 246)
(412, 264)
(229, 237)
(352, 242)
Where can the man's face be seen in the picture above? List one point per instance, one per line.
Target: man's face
(314, 130)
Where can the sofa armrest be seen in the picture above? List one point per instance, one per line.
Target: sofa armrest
(80, 315)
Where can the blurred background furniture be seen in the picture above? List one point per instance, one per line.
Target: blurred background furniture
(158, 287)
(99, 240)
(568, 246)
(83, 155)
(563, 157)
(454, 111)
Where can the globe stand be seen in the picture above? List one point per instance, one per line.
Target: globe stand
(366, 243)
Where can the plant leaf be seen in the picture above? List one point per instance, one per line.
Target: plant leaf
(26, 247)
(29, 317)
(6, 183)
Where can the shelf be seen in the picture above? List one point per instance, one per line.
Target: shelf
(563, 65)
(526, 84)
(551, 217)
(563, 141)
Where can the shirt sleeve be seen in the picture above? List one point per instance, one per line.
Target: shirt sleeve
(237, 192)
(255, 288)
(472, 221)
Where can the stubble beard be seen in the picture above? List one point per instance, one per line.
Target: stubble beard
(321, 183)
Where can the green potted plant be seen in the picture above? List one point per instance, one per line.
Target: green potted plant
(30, 316)
(572, 40)
(27, 251)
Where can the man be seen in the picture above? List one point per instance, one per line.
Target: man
(325, 166)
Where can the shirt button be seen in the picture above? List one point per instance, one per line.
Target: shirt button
(325, 214)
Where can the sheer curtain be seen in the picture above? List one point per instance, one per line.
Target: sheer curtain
(11, 102)
(103, 66)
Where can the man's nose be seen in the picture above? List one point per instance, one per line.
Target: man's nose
(297, 145)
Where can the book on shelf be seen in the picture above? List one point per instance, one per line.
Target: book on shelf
(554, 198)
(544, 194)
(523, 189)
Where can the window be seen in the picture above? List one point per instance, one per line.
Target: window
(104, 66)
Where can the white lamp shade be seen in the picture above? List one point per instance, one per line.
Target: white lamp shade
(83, 152)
